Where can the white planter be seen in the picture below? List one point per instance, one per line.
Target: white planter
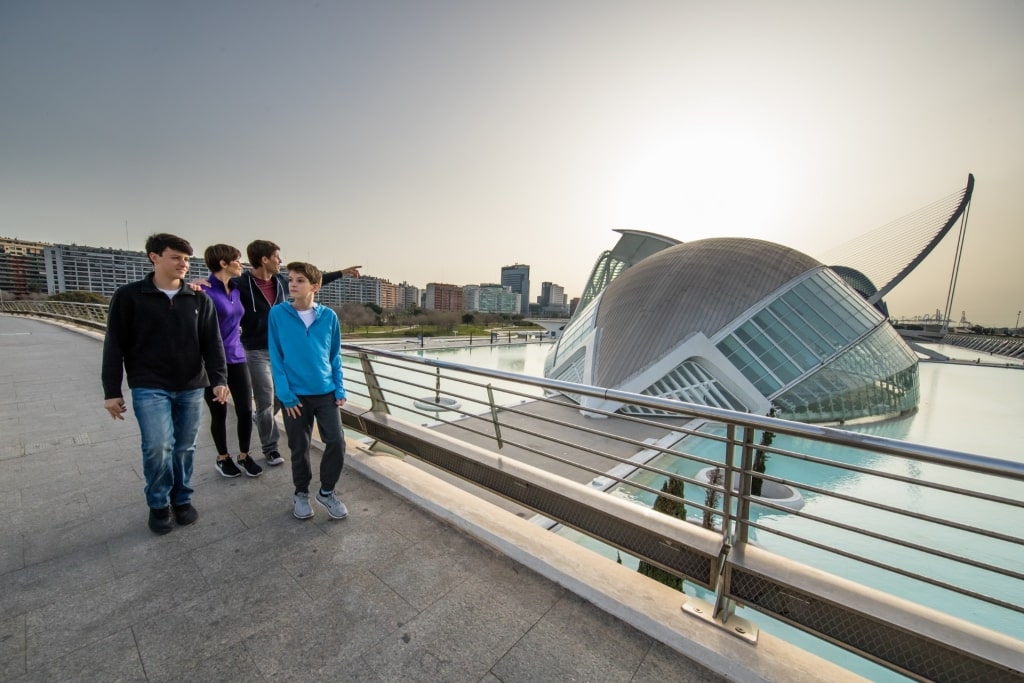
(436, 404)
(771, 491)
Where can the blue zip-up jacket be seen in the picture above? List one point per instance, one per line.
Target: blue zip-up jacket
(304, 362)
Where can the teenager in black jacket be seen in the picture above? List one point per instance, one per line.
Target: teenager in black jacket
(166, 338)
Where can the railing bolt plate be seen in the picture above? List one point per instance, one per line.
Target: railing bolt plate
(737, 626)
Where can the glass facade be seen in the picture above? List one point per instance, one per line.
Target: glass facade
(798, 331)
(876, 377)
(691, 383)
(820, 354)
(572, 337)
(517, 278)
(605, 270)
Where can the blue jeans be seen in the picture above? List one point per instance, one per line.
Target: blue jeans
(169, 423)
(258, 363)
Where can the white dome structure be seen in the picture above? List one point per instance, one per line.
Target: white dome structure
(742, 324)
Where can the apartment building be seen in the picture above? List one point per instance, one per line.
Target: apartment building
(491, 298)
(353, 290)
(408, 297)
(73, 268)
(22, 270)
(444, 297)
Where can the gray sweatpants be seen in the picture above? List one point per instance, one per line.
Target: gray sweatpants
(258, 362)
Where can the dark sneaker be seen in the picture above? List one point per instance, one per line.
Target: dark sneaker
(335, 508)
(302, 510)
(160, 520)
(228, 468)
(250, 466)
(274, 458)
(185, 514)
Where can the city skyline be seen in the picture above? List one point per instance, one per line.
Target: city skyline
(442, 141)
(197, 260)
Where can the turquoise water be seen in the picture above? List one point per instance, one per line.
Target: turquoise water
(524, 359)
(967, 408)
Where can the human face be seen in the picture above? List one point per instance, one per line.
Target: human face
(301, 289)
(232, 268)
(272, 263)
(170, 266)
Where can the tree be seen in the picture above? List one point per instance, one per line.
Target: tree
(467, 319)
(675, 508)
(715, 478)
(355, 315)
(80, 297)
(761, 458)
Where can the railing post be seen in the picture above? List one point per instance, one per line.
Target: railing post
(725, 607)
(378, 403)
(727, 470)
(494, 415)
(743, 502)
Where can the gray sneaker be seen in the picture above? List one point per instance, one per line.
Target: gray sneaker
(335, 508)
(302, 510)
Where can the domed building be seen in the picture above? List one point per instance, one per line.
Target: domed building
(735, 323)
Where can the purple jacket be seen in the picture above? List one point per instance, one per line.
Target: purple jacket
(229, 315)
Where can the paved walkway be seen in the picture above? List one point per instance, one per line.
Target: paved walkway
(250, 593)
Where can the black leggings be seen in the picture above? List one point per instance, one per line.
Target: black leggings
(241, 395)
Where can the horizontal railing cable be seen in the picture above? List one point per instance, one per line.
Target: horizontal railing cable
(896, 570)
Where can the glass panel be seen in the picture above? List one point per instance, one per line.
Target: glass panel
(876, 377)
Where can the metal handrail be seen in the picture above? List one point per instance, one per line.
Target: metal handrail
(880, 444)
(90, 315)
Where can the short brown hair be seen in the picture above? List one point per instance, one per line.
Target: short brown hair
(215, 253)
(259, 250)
(311, 272)
(161, 241)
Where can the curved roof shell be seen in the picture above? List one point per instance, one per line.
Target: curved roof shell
(692, 287)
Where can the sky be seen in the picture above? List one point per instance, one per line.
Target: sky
(437, 141)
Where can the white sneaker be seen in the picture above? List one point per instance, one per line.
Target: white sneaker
(335, 508)
(302, 510)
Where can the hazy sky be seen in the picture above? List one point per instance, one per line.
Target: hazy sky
(438, 141)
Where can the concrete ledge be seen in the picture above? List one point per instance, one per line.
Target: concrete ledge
(648, 606)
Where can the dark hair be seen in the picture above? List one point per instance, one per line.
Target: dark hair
(311, 272)
(156, 244)
(258, 250)
(215, 253)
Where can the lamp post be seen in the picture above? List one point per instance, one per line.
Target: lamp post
(1018, 323)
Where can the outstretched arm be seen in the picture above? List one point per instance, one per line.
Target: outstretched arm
(351, 271)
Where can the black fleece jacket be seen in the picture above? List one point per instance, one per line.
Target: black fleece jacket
(162, 343)
(257, 308)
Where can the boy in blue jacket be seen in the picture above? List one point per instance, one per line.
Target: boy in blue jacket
(304, 340)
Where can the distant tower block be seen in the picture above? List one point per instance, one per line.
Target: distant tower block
(963, 318)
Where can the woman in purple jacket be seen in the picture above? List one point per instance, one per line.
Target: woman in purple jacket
(224, 262)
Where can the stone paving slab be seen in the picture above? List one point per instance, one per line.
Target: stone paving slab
(249, 593)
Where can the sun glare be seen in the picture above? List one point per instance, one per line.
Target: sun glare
(715, 181)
